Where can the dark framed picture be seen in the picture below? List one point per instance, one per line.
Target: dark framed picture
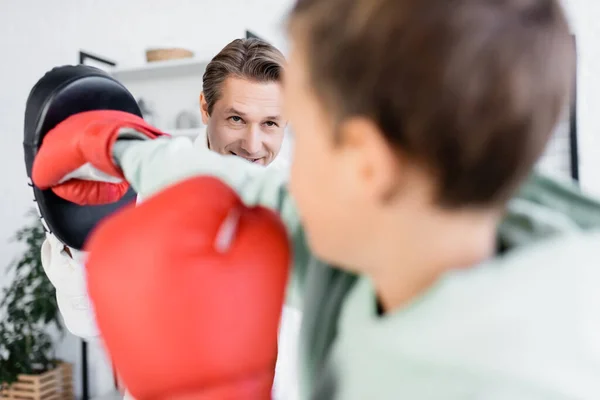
(93, 60)
(250, 35)
(561, 157)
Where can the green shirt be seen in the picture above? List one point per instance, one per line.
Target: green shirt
(524, 325)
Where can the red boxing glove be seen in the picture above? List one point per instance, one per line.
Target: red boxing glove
(188, 289)
(84, 141)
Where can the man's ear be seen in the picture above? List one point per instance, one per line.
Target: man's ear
(204, 109)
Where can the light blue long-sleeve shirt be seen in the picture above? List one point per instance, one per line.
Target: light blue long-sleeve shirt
(524, 325)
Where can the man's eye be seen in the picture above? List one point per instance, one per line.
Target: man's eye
(235, 119)
(271, 124)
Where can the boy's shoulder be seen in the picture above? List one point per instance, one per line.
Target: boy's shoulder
(523, 321)
(531, 313)
(522, 326)
(541, 279)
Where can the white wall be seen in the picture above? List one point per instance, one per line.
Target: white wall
(36, 35)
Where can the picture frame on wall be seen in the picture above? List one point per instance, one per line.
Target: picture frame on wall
(93, 60)
(250, 35)
(561, 157)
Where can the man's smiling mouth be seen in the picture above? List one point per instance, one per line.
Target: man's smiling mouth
(251, 159)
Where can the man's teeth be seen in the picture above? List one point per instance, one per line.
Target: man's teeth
(254, 160)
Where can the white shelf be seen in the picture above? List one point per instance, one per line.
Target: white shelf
(161, 69)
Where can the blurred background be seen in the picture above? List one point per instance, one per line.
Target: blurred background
(36, 35)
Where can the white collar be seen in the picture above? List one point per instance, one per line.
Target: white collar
(201, 140)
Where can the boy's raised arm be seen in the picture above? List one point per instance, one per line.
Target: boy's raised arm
(150, 166)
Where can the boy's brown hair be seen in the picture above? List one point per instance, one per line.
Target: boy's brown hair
(252, 59)
(471, 89)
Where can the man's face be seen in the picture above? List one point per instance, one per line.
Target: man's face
(246, 120)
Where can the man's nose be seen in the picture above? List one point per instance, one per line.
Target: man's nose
(252, 140)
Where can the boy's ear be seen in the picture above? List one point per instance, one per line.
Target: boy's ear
(204, 109)
(373, 161)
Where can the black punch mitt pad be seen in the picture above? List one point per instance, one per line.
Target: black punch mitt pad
(60, 93)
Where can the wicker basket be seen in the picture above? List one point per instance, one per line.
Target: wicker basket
(167, 54)
(52, 385)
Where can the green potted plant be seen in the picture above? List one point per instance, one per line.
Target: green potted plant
(28, 308)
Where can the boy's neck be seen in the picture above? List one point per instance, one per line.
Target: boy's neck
(437, 243)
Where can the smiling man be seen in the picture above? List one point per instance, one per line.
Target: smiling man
(241, 102)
